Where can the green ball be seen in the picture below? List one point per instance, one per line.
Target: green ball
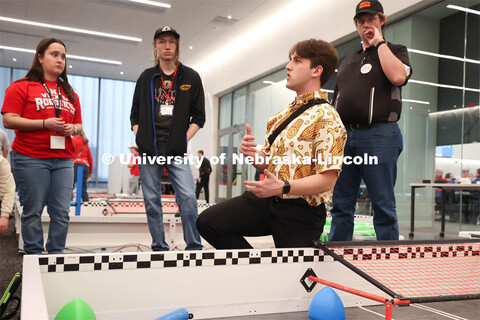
(76, 309)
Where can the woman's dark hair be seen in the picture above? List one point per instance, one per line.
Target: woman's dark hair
(35, 73)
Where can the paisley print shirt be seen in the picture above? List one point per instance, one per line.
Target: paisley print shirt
(311, 144)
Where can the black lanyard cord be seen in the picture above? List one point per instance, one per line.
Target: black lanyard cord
(58, 108)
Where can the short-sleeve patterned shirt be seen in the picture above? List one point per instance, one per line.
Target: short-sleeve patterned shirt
(314, 143)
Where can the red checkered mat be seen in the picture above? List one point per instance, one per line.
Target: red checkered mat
(419, 270)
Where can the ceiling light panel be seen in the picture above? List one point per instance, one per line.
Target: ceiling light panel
(69, 56)
(152, 3)
(70, 29)
(451, 6)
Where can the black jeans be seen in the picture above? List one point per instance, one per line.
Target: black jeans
(203, 184)
(292, 223)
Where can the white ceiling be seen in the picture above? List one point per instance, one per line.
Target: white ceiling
(196, 20)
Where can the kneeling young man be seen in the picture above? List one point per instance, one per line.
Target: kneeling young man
(289, 203)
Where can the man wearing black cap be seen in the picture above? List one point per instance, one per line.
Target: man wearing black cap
(167, 111)
(368, 98)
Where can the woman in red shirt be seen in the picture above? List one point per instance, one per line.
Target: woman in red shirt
(45, 112)
(83, 158)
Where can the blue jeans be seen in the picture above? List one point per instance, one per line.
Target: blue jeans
(385, 142)
(40, 182)
(182, 181)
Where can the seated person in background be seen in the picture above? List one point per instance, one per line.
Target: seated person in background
(450, 177)
(289, 203)
(466, 176)
(7, 193)
(476, 194)
(439, 193)
(439, 176)
(439, 179)
(477, 178)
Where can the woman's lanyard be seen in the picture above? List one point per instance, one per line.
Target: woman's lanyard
(167, 93)
(58, 108)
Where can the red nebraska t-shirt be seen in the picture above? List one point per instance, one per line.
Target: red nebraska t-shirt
(30, 100)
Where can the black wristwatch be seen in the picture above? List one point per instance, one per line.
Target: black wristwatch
(380, 43)
(286, 187)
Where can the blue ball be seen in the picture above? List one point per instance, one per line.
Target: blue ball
(180, 314)
(326, 305)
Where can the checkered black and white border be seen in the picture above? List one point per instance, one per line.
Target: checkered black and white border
(155, 260)
(139, 204)
(95, 204)
(409, 252)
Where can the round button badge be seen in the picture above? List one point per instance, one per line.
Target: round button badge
(366, 68)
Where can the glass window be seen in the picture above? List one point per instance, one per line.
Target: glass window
(115, 134)
(225, 112)
(87, 91)
(266, 97)
(18, 73)
(222, 169)
(8, 75)
(239, 106)
(4, 83)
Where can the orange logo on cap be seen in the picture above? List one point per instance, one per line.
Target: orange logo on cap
(364, 4)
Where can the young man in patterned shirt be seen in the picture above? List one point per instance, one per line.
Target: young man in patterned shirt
(289, 203)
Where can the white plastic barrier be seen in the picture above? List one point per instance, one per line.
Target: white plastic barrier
(209, 284)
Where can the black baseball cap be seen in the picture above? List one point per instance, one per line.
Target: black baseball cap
(368, 6)
(164, 30)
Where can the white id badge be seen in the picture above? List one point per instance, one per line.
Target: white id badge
(166, 110)
(57, 142)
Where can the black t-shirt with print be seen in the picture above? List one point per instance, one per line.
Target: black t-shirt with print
(164, 102)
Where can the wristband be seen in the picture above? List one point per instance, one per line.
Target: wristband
(380, 43)
(286, 187)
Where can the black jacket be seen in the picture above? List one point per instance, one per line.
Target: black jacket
(189, 108)
(205, 168)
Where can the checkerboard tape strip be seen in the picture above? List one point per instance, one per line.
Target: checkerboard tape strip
(139, 204)
(409, 252)
(155, 260)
